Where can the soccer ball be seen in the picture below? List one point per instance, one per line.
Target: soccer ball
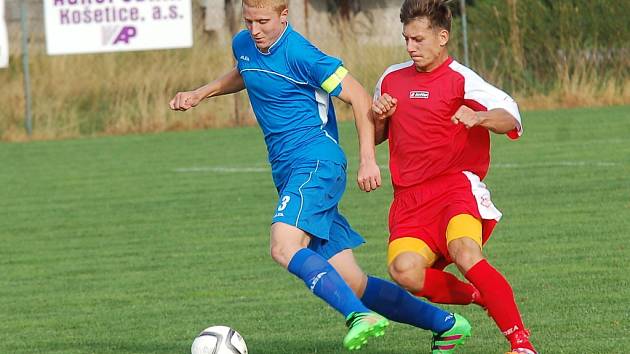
(219, 340)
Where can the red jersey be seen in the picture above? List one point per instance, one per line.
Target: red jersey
(423, 141)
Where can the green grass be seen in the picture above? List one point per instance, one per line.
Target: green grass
(134, 244)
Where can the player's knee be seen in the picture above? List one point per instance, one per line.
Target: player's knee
(465, 256)
(286, 241)
(408, 271)
(281, 254)
(466, 260)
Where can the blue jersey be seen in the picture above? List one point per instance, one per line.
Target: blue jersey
(291, 89)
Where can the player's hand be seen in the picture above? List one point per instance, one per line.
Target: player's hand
(467, 117)
(369, 176)
(184, 101)
(384, 107)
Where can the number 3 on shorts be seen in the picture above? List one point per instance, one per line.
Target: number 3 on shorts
(285, 201)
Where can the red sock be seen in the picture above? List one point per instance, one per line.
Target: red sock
(444, 288)
(499, 298)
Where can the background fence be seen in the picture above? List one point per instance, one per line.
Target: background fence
(546, 53)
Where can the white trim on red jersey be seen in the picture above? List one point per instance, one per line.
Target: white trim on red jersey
(478, 90)
(391, 69)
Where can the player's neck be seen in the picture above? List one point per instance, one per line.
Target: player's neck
(435, 64)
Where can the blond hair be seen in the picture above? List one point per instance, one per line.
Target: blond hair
(277, 5)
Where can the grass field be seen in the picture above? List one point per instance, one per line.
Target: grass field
(134, 244)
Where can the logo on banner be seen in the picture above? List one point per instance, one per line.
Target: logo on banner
(99, 26)
(116, 35)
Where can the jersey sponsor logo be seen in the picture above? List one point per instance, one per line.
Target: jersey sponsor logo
(244, 58)
(419, 94)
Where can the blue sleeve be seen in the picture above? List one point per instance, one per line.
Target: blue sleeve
(315, 67)
(237, 44)
(336, 92)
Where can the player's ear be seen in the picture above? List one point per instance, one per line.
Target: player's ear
(443, 37)
(284, 16)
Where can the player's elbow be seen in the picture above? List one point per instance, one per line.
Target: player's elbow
(499, 121)
(506, 125)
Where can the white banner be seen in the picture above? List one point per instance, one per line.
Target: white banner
(96, 26)
(4, 39)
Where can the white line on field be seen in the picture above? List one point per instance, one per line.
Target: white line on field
(556, 164)
(253, 169)
(222, 169)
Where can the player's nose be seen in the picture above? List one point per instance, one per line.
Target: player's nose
(255, 29)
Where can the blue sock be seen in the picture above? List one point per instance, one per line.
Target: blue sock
(324, 281)
(395, 303)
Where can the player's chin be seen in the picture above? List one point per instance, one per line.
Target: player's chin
(262, 45)
(419, 62)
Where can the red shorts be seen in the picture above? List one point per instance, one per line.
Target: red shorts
(424, 211)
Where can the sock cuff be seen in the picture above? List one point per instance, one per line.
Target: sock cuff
(376, 288)
(298, 260)
(369, 289)
(476, 270)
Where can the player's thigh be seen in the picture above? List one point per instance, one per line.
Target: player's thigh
(346, 265)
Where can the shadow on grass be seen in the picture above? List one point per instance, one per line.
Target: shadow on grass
(291, 345)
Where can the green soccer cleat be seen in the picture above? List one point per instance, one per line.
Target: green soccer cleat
(361, 326)
(445, 343)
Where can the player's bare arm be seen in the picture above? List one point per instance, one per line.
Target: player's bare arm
(496, 120)
(369, 176)
(382, 108)
(231, 82)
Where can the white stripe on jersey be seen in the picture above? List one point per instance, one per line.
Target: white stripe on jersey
(275, 73)
(478, 90)
(395, 67)
(322, 99)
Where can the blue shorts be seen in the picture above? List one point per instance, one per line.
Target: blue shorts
(309, 199)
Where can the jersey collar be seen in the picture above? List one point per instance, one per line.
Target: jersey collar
(439, 69)
(288, 29)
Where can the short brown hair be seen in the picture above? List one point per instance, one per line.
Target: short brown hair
(437, 12)
(277, 5)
